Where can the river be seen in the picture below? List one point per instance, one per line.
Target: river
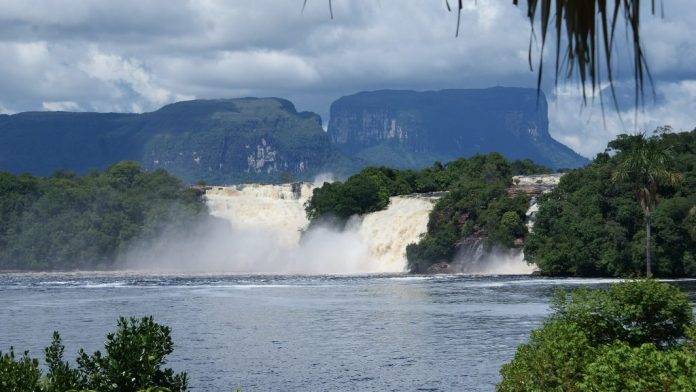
(296, 333)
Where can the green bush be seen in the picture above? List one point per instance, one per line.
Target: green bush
(554, 360)
(19, 375)
(633, 336)
(134, 358)
(620, 367)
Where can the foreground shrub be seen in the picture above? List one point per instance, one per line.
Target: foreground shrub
(633, 336)
(18, 375)
(620, 367)
(135, 355)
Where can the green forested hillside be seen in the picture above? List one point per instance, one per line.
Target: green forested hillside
(592, 225)
(66, 221)
(477, 206)
(476, 203)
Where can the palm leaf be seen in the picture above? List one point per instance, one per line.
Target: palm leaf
(584, 32)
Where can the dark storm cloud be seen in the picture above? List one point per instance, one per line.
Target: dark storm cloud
(139, 55)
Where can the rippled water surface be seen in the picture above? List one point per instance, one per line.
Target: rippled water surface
(261, 333)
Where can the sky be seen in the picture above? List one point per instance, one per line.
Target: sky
(136, 56)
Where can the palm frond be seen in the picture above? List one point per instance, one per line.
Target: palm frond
(646, 163)
(587, 29)
(584, 33)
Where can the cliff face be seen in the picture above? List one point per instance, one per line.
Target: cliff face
(412, 129)
(235, 140)
(238, 140)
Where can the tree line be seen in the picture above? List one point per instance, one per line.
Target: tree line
(631, 211)
(66, 221)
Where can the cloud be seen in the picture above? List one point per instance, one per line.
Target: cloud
(243, 70)
(137, 56)
(127, 78)
(587, 130)
(61, 106)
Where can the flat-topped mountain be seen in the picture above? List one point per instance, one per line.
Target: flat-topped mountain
(227, 140)
(412, 129)
(267, 140)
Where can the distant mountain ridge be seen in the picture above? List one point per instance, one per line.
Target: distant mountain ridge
(267, 140)
(403, 128)
(224, 140)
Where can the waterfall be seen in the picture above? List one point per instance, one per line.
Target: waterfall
(388, 232)
(372, 243)
(258, 230)
(275, 209)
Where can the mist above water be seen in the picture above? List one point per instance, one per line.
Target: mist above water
(494, 262)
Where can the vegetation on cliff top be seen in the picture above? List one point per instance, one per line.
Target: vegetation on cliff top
(633, 336)
(593, 225)
(66, 221)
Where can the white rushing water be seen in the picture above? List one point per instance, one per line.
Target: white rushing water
(373, 243)
(278, 209)
(387, 233)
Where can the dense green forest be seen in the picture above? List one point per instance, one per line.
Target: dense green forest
(476, 203)
(66, 221)
(593, 225)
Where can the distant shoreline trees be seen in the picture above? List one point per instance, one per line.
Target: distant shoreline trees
(64, 221)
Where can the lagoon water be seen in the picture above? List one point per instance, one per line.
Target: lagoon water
(296, 333)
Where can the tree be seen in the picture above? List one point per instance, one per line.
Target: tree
(646, 162)
(691, 223)
(19, 375)
(592, 225)
(588, 27)
(68, 221)
(133, 360)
